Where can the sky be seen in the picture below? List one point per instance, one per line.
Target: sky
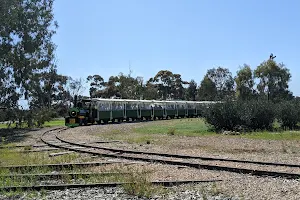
(188, 37)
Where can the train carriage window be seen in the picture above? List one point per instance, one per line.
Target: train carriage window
(191, 106)
(145, 106)
(117, 105)
(158, 106)
(181, 106)
(170, 106)
(103, 106)
(131, 105)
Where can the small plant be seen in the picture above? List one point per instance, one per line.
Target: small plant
(283, 147)
(204, 197)
(215, 190)
(138, 185)
(2, 140)
(171, 131)
(27, 148)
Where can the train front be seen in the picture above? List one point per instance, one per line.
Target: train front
(73, 119)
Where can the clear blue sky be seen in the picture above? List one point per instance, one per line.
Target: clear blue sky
(183, 36)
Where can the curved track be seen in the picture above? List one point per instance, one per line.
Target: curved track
(185, 160)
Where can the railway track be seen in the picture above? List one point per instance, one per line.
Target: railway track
(53, 139)
(112, 184)
(290, 171)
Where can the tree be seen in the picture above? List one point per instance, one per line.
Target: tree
(207, 90)
(96, 83)
(26, 48)
(223, 81)
(273, 80)
(244, 83)
(168, 85)
(50, 89)
(163, 82)
(27, 56)
(177, 89)
(191, 91)
(75, 87)
(128, 86)
(150, 91)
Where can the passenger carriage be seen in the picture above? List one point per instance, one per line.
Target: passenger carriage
(104, 110)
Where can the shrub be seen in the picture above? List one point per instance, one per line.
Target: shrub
(171, 131)
(222, 115)
(288, 114)
(241, 115)
(262, 114)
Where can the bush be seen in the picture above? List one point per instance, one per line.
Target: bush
(241, 115)
(288, 114)
(222, 116)
(262, 114)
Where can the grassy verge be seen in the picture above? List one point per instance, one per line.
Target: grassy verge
(56, 122)
(138, 178)
(186, 127)
(157, 131)
(198, 127)
(13, 157)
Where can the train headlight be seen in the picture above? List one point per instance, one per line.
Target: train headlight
(73, 114)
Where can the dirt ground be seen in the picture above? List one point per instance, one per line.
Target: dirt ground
(219, 146)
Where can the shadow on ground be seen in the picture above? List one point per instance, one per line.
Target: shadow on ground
(9, 135)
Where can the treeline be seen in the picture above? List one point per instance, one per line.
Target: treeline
(268, 81)
(28, 73)
(253, 115)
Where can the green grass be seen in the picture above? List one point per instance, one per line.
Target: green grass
(186, 127)
(3, 126)
(55, 122)
(198, 127)
(13, 157)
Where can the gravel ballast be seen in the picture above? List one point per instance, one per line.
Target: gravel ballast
(234, 186)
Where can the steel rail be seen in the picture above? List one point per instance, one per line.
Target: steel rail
(178, 163)
(189, 164)
(60, 175)
(58, 166)
(113, 184)
(179, 156)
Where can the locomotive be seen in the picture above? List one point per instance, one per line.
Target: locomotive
(80, 114)
(98, 110)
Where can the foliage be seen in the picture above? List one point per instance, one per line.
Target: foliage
(122, 86)
(273, 80)
(223, 81)
(27, 63)
(244, 83)
(169, 85)
(74, 87)
(223, 116)
(26, 49)
(191, 91)
(96, 83)
(207, 90)
(241, 115)
(289, 114)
